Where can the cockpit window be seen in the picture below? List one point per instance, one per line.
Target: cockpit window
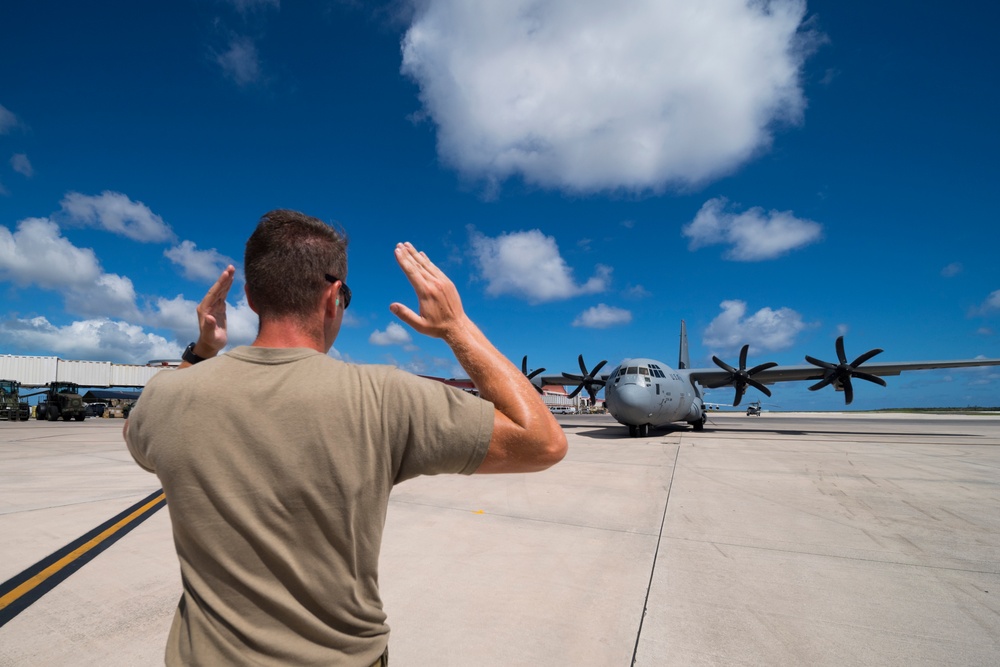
(632, 370)
(643, 370)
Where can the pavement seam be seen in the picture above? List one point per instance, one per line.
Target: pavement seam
(656, 554)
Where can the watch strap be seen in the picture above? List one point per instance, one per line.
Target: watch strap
(189, 355)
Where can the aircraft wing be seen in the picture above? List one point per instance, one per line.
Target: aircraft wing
(708, 376)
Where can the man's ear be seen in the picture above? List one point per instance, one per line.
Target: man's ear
(249, 300)
(331, 299)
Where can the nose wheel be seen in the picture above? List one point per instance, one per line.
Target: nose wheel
(640, 431)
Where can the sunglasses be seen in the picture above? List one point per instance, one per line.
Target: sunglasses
(344, 289)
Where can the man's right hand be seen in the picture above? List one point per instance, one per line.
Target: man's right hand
(526, 437)
(440, 306)
(212, 333)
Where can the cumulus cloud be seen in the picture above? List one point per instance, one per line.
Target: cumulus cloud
(178, 316)
(196, 264)
(240, 61)
(116, 213)
(394, 334)
(528, 264)
(99, 339)
(37, 254)
(602, 316)
(766, 329)
(19, 162)
(8, 120)
(587, 95)
(754, 235)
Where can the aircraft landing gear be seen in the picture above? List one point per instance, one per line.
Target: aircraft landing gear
(640, 431)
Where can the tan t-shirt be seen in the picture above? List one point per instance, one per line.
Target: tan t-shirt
(277, 466)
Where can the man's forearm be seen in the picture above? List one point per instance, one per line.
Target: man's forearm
(497, 379)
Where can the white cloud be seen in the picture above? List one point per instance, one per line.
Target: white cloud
(992, 303)
(19, 162)
(766, 329)
(754, 235)
(197, 264)
(952, 270)
(246, 6)
(8, 120)
(602, 316)
(589, 95)
(116, 213)
(394, 334)
(98, 339)
(178, 316)
(240, 61)
(37, 254)
(528, 264)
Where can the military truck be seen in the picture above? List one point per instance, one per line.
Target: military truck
(12, 408)
(62, 400)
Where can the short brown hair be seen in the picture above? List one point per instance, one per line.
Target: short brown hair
(286, 259)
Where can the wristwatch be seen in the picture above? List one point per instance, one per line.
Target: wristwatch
(189, 355)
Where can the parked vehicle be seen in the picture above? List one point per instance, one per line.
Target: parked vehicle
(753, 409)
(96, 409)
(62, 400)
(12, 408)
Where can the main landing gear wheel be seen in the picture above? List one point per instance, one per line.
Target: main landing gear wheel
(698, 425)
(640, 431)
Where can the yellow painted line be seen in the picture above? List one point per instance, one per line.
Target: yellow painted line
(30, 584)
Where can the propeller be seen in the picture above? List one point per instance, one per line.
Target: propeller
(741, 377)
(532, 374)
(841, 374)
(588, 380)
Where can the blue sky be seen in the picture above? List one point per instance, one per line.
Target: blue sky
(588, 173)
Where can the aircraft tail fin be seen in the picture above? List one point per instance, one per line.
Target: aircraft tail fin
(684, 360)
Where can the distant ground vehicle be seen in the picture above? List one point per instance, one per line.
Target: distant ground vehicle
(96, 409)
(563, 410)
(753, 409)
(62, 400)
(11, 406)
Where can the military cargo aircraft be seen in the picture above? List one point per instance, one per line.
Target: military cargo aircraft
(645, 393)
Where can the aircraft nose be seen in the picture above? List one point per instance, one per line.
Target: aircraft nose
(633, 404)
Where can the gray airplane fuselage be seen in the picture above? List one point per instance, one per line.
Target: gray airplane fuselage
(646, 392)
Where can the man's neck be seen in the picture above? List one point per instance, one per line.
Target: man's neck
(287, 333)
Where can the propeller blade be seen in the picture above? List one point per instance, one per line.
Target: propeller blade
(762, 367)
(576, 392)
(740, 390)
(871, 378)
(865, 357)
(840, 350)
(723, 365)
(758, 386)
(822, 383)
(740, 377)
(819, 362)
(848, 390)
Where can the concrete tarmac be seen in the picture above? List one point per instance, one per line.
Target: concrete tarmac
(788, 539)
